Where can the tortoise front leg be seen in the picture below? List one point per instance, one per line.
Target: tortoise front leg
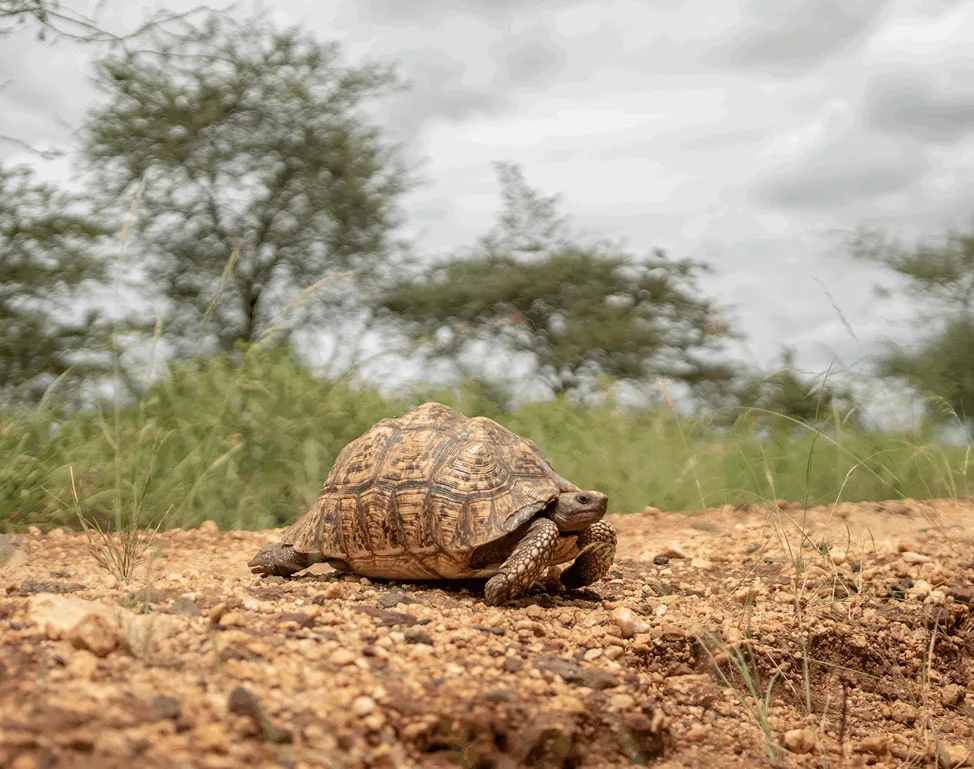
(526, 564)
(597, 546)
(280, 560)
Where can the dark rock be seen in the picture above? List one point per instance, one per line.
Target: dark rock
(387, 618)
(169, 707)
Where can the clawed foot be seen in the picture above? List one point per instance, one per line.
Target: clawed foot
(278, 560)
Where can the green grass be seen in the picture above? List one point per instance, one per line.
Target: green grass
(249, 446)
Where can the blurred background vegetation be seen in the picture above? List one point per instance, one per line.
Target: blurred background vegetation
(242, 212)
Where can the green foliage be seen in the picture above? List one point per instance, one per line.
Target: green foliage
(579, 309)
(264, 182)
(54, 21)
(791, 393)
(48, 258)
(246, 445)
(940, 275)
(249, 446)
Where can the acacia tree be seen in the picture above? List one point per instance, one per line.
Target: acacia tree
(52, 19)
(581, 310)
(48, 259)
(939, 274)
(791, 393)
(260, 175)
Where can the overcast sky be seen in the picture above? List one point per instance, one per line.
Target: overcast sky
(741, 133)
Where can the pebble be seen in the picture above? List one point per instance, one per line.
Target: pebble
(911, 557)
(209, 528)
(875, 744)
(343, 657)
(799, 740)
(674, 551)
(96, 634)
(628, 622)
(333, 591)
(363, 705)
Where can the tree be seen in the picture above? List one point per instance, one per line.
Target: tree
(261, 176)
(581, 310)
(939, 274)
(52, 18)
(48, 257)
(791, 393)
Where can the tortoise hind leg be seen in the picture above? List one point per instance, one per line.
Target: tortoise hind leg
(526, 564)
(280, 560)
(597, 546)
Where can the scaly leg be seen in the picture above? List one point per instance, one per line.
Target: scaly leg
(280, 560)
(597, 546)
(526, 564)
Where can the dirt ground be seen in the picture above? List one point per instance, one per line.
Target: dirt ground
(856, 639)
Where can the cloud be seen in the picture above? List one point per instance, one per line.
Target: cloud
(414, 11)
(438, 91)
(921, 107)
(853, 170)
(788, 37)
(530, 58)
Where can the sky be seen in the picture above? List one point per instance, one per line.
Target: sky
(745, 134)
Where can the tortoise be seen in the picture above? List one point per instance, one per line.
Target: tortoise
(434, 495)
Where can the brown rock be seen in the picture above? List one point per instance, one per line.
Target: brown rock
(799, 740)
(875, 744)
(95, 633)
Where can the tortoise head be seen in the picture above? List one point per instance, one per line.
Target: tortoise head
(576, 510)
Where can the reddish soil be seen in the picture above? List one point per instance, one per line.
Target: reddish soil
(856, 636)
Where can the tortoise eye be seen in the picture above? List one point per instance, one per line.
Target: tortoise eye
(583, 499)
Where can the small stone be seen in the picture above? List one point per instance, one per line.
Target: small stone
(952, 695)
(920, 589)
(213, 737)
(83, 665)
(650, 510)
(628, 622)
(596, 678)
(951, 756)
(217, 612)
(692, 689)
(362, 706)
(696, 733)
(910, 557)
(613, 652)
(95, 633)
(660, 560)
(169, 707)
(674, 551)
(334, 591)
(512, 665)
(874, 744)
(185, 606)
(209, 527)
(343, 657)
(799, 740)
(233, 619)
(902, 713)
(701, 563)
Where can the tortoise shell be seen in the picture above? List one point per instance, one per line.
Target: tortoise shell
(430, 494)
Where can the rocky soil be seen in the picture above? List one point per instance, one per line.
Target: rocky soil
(778, 636)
